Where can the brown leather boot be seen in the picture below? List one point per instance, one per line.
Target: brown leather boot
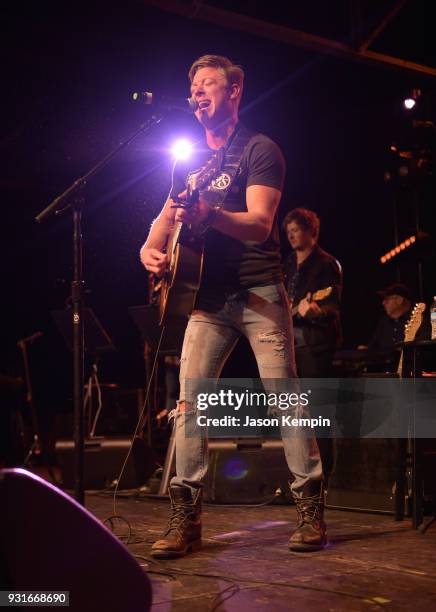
(311, 530)
(183, 533)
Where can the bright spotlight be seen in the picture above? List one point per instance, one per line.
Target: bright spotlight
(181, 149)
(409, 103)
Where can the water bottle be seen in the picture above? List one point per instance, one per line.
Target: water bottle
(433, 319)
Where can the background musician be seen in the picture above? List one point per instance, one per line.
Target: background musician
(314, 286)
(309, 269)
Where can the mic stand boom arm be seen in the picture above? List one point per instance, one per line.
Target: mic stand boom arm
(71, 199)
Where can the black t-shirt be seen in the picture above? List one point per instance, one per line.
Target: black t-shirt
(231, 264)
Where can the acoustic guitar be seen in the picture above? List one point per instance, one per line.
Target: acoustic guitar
(185, 249)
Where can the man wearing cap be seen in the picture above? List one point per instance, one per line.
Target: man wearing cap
(397, 302)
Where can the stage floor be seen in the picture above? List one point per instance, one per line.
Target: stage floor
(371, 563)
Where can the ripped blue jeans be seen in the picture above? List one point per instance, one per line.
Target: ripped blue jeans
(262, 315)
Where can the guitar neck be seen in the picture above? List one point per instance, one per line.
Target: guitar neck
(400, 365)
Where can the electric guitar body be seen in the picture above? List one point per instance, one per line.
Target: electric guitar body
(318, 296)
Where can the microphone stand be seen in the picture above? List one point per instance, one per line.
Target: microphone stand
(72, 200)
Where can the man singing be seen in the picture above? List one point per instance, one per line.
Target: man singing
(241, 292)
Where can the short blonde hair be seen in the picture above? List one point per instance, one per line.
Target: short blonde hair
(233, 72)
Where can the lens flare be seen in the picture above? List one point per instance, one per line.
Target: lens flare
(181, 149)
(235, 469)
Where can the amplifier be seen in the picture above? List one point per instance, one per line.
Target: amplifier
(367, 470)
(104, 458)
(246, 471)
(365, 474)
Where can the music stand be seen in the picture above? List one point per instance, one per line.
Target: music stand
(97, 341)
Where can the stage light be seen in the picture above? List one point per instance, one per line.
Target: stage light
(410, 101)
(181, 149)
(397, 249)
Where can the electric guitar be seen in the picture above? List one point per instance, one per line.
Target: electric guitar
(410, 329)
(185, 249)
(318, 296)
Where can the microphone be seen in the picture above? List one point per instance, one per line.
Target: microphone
(187, 105)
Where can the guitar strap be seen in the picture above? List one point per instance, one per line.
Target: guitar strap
(216, 192)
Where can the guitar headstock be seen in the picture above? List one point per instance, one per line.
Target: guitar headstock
(414, 322)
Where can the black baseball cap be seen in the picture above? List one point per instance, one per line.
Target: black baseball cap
(396, 289)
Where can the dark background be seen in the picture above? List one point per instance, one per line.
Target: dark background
(68, 73)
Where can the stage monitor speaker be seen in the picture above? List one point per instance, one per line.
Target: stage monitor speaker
(50, 543)
(365, 474)
(246, 472)
(104, 458)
